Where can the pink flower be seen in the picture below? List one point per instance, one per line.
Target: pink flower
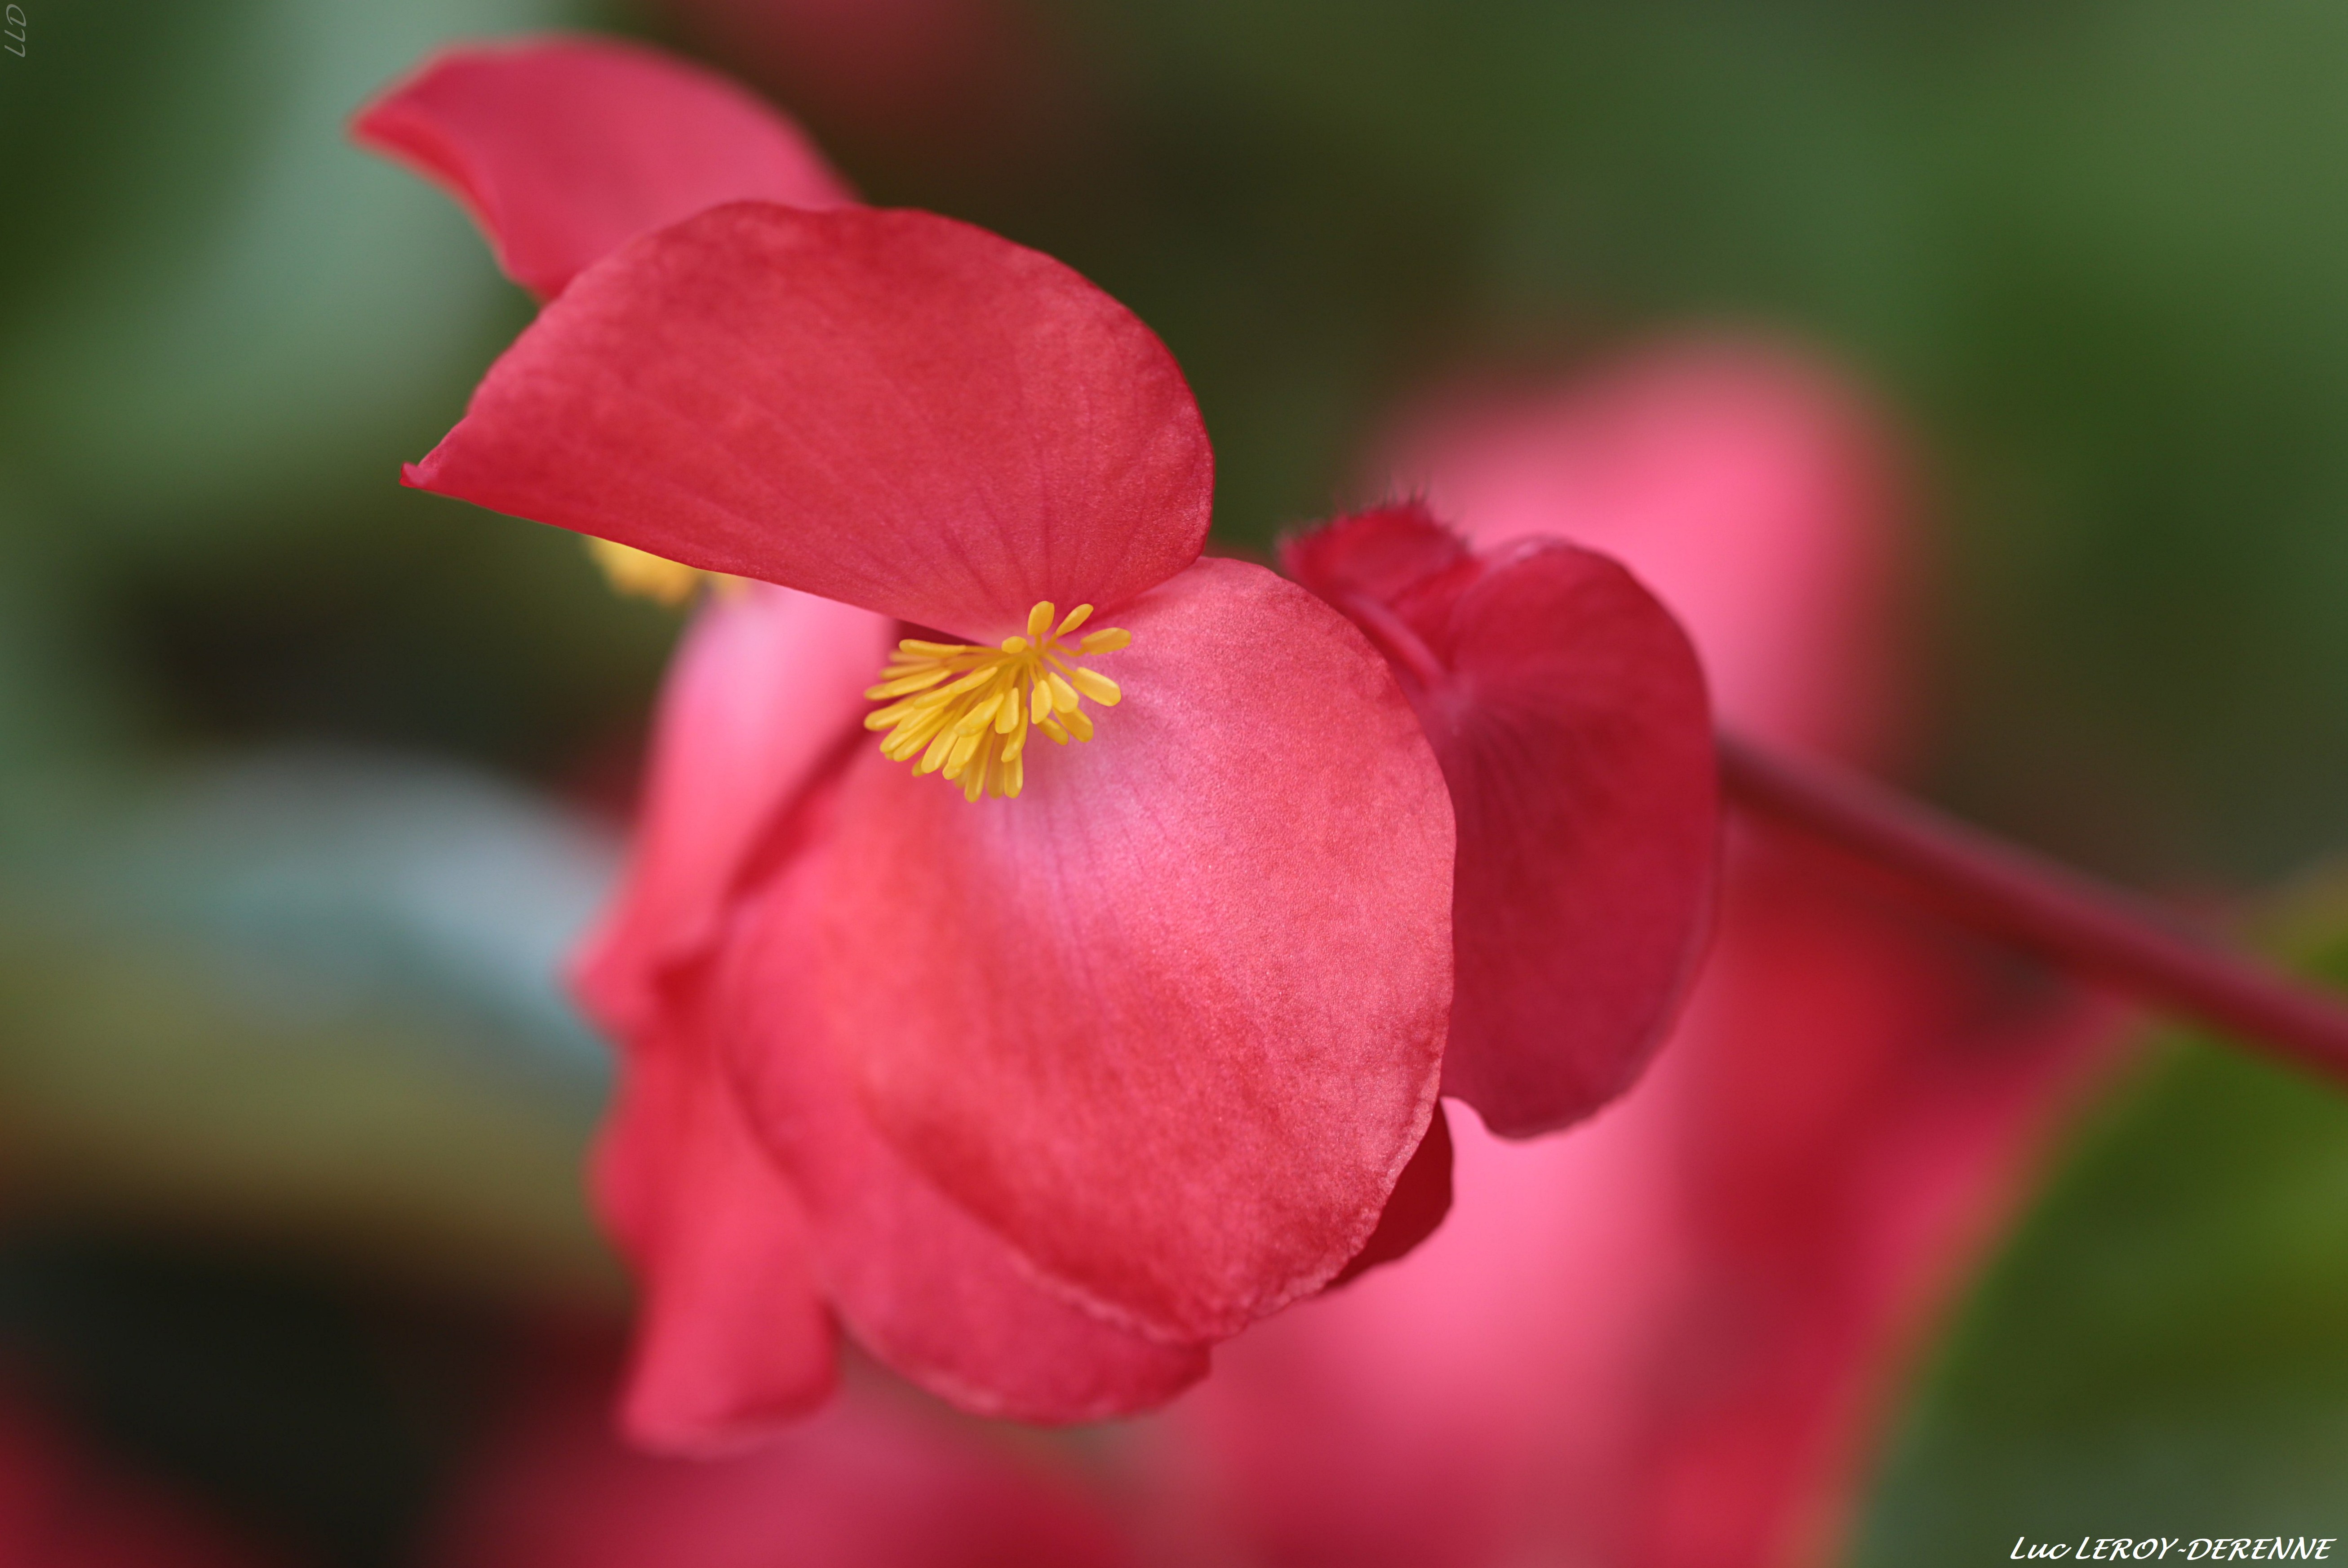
(1663, 1342)
(1042, 1082)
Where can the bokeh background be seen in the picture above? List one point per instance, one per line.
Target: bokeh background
(306, 780)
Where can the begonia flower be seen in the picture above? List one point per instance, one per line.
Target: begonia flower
(1045, 1079)
(1663, 1342)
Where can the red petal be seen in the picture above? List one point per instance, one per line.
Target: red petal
(1172, 1020)
(1569, 712)
(564, 151)
(923, 1286)
(765, 687)
(1421, 1198)
(732, 1337)
(891, 409)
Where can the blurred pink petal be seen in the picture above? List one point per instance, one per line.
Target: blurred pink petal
(564, 150)
(733, 1335)
(758, 696)
(1663, 1342)
(1746, 485)
(879, 1480)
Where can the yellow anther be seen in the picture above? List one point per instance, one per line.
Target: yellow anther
(639, 574)
(1095, 685)
(965, 711)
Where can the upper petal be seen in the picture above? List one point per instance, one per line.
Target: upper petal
(1569, 712)
(764, 688)
(563, 149)
(891, 409)
(1171, 1020)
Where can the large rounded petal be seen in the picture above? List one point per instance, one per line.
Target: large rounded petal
(765, 687)
(891, 409)
(1172, 1020)
(564, 150)
(1569, 712)
(927, 1289)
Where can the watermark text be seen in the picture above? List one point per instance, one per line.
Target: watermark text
(2200, 1549)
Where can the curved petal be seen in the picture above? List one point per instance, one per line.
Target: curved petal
(891, 409)
(1170, 1020)
(1569, 712)
(765, 687)
(1420, 1200)
(922, 1286)
(731, 1340)
(564, 150)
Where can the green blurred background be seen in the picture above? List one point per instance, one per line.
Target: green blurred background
(306, 779)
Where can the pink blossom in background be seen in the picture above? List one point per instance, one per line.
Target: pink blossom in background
(1665, 1341)
(1748, 484)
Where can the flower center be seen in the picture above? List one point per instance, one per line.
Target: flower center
(965, 711)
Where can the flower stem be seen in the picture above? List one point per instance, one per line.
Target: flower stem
(2004, 891)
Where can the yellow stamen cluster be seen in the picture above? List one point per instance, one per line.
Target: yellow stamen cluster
(965, 711)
